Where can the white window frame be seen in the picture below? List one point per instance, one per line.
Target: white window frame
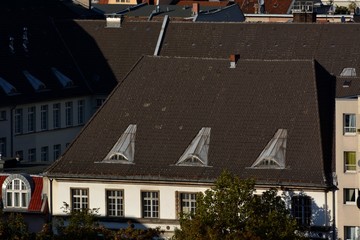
(16, 192)
(347, 192)
(32, 155)
(44, 117)
(188, 202)
(32, 119)
(150, 203)
(351, 233)
(115, 202)
(18, 118)
(56, 115)
(302, 209)
(349, 123)
(69, 114)
(79, 199)
(347, 166)
(81, 112)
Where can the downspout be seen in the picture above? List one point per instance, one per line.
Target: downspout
(51, 202)
(161, 35)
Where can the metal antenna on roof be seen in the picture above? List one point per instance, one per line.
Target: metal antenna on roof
(25, 40)
(11, 45)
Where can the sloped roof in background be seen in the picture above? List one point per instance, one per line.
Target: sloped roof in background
(45, 50)
(230, 13)
(170, 99)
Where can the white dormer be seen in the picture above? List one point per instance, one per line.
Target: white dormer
(35, 83)
(64, 80)
(196, 153)
(124, 149)
(274, 154)
(7, 87)
(348, 72)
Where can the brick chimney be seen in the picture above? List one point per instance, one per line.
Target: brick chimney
(195, 9)
(233, 60)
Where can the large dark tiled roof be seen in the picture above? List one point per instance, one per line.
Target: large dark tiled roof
(170, 99)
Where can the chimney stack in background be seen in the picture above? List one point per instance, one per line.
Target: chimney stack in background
(233, 60)
(195, 9)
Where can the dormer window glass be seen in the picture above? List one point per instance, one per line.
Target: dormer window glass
(196, 153)
(35, 83)
(124, 149)
(348, 72)
(274, 154)
(7, 87)
(62, 78)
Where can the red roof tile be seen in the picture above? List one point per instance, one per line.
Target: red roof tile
(2, 179)
(36, 199)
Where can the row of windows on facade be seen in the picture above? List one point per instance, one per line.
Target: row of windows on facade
(185, 203)
(44, 116)
(44, 153)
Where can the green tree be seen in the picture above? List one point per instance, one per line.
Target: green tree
(13, 227)
(231, 210)
(342, 10)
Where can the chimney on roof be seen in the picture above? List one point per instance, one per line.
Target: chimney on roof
(195, 9)
(113, 20)
(233, 60)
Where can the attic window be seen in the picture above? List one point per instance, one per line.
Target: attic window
(35, 83)
(7, 87)
(16, 191)
(64, 80)
(347, 83)
(124, 149)
(348, 72)
(196, 153)
(274, 154)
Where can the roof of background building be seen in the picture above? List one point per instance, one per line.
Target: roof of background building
(170, 99)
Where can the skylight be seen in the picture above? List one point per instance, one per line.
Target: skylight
(35, 83)
(64, 80)
(274, 154)
(124, 149)
(196, 153)
(348, 72)
(7, 87)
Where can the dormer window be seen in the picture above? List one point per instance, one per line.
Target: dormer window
(124, 149)
(16, 191)
(35, 83)
(348, 72)
(274, 154)
(62, 78)
(196, 153)
(7, 87)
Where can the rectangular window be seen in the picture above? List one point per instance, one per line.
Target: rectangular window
(349, 123)
(350, 195)
(150, 204)
(188, 202)
(2, 115)
(350, 233)
(301, 209)
(32, 155)
(57, 151)
(56, 115)
(19, 155)
(99, 102)
(3, 147)
(79, 199)
(18, 121)
(45, 153)
(31, 119)
(350, 161)
(81, 112)
(69, 114)
(44, 115)
(115, 203)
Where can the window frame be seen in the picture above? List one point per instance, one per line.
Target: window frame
(347, 122)
(56, 151)
(347, 166)
(81, 197)
(191, 202)
(44, 154)
(32, 154)
(81, 112)
(302, 209)
(349, 201)
(22, 194)
(56, 115)
(69, 121)
(31, 119)
(44, 117)
(3, 116)
(346, 236)
(153, 214)
(3, 146)
(18, 121)
(119, 206)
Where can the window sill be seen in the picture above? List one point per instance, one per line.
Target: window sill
(350, 134)
(350, 171)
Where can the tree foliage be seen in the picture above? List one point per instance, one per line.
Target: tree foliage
(231, 210)
(13, 227)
